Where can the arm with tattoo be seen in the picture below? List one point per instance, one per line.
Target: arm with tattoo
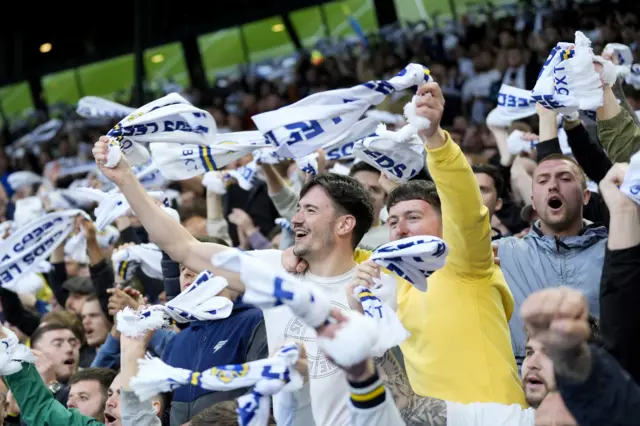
(415, 410)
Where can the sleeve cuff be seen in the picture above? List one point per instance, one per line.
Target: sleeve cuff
(614, 121)
(443, 153)
(367, 394)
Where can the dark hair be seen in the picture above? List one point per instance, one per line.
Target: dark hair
(362, 166)
(92, 297)
(222, 413)
(415, 190)
(104, 376)
(197, 209)
(349, 197)
(215, 240)
(41, 331)
(493, 173)
(580, 173)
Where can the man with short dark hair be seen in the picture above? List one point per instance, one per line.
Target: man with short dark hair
(88, 391)
(561, 247)
(333, 215)
(60, 346)
(467, 306)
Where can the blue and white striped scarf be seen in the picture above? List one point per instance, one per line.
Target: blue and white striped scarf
(413, 259)
(268, 376)
(199, 302)
(332, 117)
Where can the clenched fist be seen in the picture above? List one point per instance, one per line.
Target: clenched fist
(100, 154)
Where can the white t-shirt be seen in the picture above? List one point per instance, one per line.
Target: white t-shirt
(488, 414)
(327, 387)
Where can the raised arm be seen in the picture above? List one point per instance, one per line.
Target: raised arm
(168, 234)
(465, 220)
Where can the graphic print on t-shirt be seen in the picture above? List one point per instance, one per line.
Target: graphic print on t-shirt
(319, 366)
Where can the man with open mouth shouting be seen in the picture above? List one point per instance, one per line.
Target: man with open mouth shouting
(561, 249)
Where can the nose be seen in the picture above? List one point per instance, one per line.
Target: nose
(297, 218)
(111, 402)
(401, 228)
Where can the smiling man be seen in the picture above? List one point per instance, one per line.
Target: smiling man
(561, 248)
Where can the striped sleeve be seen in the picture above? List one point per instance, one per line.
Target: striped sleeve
(372, 405)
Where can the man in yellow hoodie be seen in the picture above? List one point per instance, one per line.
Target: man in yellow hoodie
(460, 347)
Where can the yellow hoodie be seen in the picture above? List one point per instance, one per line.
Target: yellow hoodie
(460, 347)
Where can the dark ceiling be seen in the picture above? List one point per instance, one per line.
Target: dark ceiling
(84, 32)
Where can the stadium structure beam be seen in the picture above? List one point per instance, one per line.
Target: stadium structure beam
(385, 12)
(193, 58)
(325, 21)
(293, 35)
(138, 52)
(37, 94)
(245, 45)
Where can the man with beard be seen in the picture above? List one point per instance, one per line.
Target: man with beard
(561, 248)
(88, 391)
(333, 215)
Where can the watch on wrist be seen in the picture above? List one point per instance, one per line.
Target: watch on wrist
(54, 387)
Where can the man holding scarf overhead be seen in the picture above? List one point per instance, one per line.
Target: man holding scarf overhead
(460, 348)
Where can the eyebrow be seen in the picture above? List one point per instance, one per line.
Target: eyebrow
(305, 205)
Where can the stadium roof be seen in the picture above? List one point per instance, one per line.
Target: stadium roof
(84, 32)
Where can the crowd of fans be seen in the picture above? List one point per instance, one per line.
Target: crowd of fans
(530, 320)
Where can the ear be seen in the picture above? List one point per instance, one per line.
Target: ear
(586, 196)
(345, 225)
(156, 406)
(498, 204)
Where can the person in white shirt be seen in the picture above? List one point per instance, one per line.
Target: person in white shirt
(538, 382)
(334, 213)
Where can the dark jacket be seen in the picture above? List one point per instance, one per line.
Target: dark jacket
(619, 302)
(205, 344)
(609, 396)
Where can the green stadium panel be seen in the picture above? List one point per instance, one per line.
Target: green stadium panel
(166, 63)
(267, 38)
(61, 87)
(362, 10)
(308, 25)
(16, 99)
(221, 51)
(108, 78)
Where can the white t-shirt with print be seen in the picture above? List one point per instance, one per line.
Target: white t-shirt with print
(327, 387)
(488, 414)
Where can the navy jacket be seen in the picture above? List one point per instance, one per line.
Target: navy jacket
(609, 396)
(204, 344)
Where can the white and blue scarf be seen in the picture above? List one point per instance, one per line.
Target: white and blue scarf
(631, 184)
(266, 288)
(178, 161)
(148, 257)
(198, 302)
(25, 249)
(332, 117)
(373, 307)
(399, 158)
(168, 119)
(95, 107)
(154, 376)
(413, 259)
(568, 81)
